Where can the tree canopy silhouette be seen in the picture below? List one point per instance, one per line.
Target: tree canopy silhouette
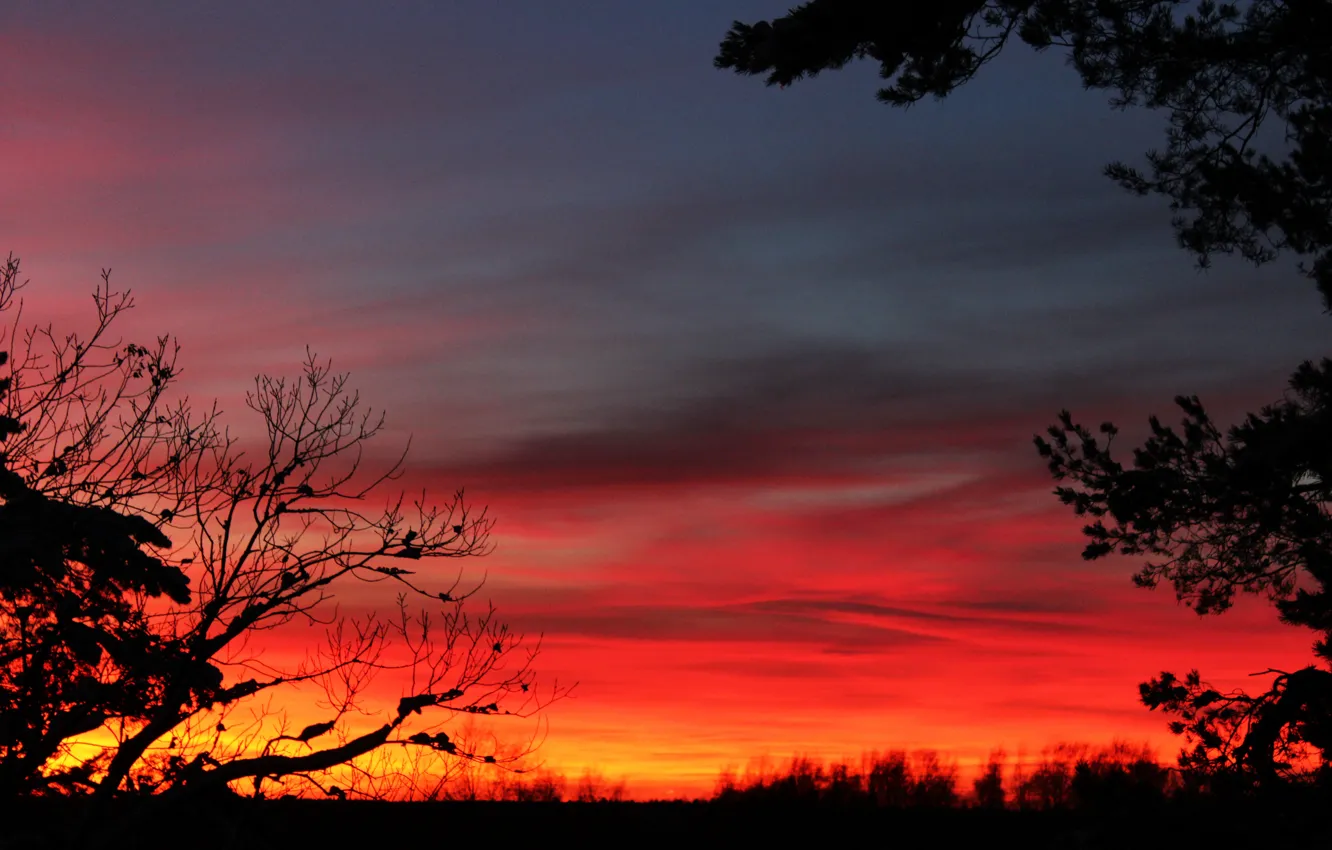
(144, 547)
(1225, 73)
(1218, 514)
(1247, 168)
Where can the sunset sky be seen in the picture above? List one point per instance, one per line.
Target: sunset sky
(747, 377)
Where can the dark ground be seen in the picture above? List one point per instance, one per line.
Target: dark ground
(293, 824)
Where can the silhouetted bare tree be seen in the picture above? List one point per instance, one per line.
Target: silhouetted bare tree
(146, 549)
(77, 647)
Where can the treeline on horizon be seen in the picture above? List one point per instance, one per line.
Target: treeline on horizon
(1076, 795)
(1065, 776)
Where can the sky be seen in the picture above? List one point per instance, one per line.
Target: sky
(747, 377)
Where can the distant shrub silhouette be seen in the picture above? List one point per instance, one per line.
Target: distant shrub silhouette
(1121, 776)
(593, 787)
(1077, 776)
(1050, 784)
(888, 780)
(541, 787)
(988, 788)
(934, 784)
